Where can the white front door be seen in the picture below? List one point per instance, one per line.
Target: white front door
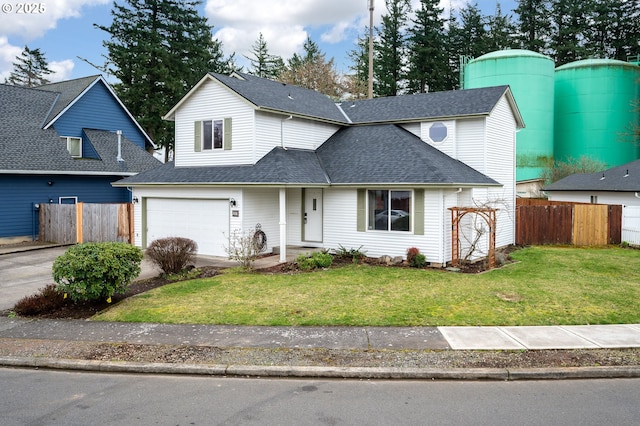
(312, 215)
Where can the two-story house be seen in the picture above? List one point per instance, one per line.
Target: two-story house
(379, 174)
(64, 142)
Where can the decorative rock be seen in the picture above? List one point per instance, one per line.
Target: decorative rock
(397, 260)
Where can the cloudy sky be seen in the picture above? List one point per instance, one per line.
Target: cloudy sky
(64, 29)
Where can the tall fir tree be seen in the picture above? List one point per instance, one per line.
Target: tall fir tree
(468, 39)
(428, 66)
(263, 64)
(612, 29)
(356, 83)
(534, 24)
(158, 49)
(30, 69)
(391, 50)
(569, 18)
(471, 35)
(502, 31)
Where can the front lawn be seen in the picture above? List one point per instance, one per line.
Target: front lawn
(547, 286)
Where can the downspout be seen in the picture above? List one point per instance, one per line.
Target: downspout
(282, 131)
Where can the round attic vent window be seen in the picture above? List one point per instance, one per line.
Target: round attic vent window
(438, 132)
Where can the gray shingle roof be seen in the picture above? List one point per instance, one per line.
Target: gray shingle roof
(26, 146)
(273, 95)
(279, 166)
(453, 103)
(388, 154)
(377, 154)
(624, 178)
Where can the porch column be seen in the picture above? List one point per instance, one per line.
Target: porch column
(283, 225)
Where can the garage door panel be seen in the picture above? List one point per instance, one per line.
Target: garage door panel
(204, 221)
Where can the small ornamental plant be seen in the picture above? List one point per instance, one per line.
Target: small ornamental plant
(415, 258)
(96, 271)
(317, 260)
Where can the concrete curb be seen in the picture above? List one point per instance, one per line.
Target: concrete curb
(379, 373)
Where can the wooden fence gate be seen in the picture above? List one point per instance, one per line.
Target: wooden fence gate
(97, 223)
(548, 222)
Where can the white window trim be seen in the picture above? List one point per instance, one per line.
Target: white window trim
(68, 141)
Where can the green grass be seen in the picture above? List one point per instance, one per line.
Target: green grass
(547, 286)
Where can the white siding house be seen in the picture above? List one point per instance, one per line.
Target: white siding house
(379, 175)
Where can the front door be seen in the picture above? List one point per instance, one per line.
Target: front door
(312, 218)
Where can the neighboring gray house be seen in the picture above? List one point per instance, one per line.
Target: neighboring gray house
(379, 174)
(618, 185)
(58, 144)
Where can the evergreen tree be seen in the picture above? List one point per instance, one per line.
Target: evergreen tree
(534, 24)
(312, 71)
(471, 36)
(428, 66)
(357, 82)
(467, 39)
(30, 69)
(501, 31)
(391, 50)
(264, 64)
(569, 19)
(612, 29)
(158, 49)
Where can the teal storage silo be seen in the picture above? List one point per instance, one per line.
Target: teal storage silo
(531, 78)
(595, 111)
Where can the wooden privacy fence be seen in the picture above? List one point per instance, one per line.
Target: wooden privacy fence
(548, 222)
(97, 223)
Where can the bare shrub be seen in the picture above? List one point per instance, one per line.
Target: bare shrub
(172, 254)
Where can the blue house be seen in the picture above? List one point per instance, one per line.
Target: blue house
(64, 142)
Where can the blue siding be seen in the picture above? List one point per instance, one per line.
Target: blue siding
(19, 217)
(97, 109)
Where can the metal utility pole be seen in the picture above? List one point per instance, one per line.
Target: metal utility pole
(371, 6)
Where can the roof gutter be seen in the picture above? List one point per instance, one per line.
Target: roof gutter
(63, 172)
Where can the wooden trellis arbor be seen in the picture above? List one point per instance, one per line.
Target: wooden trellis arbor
(489, 216)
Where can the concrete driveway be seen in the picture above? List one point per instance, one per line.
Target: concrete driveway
(24, 273)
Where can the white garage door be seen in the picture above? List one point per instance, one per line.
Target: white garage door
(204, 221)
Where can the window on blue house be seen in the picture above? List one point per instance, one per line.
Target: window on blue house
(74, 146)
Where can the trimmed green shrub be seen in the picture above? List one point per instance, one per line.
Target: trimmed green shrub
(93, 271)
(172, 254)
(315, 261)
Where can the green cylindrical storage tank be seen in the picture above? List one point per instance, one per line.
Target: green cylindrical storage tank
(530, 76)
(594, 111)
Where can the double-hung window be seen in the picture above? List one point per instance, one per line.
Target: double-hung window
(389, 210)
(74, 146)
(212, 135)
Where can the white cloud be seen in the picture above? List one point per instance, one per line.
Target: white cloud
(8, 55)
(285, 24)
(33, 25)
(61, 70)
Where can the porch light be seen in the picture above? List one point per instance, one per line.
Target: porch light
(232, 202)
